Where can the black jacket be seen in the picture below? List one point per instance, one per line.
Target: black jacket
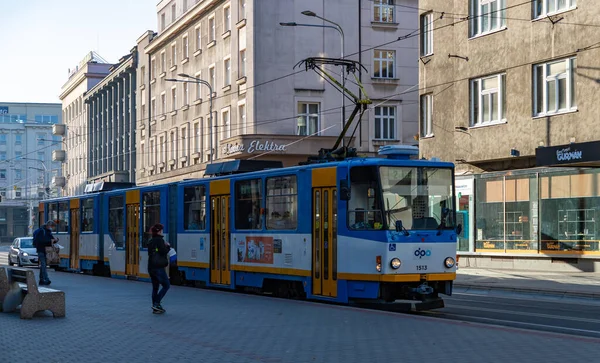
(157, 245)
(42, 238)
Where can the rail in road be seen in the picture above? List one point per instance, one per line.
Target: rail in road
(579, 317)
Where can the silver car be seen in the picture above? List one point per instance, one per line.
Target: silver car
(22, 252)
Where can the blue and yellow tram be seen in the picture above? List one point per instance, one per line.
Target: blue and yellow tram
(359, 229)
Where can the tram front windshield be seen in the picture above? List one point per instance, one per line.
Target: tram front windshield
(421, 198)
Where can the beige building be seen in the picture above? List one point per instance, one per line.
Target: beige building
(75, 132)
(263, 107)
(508, 94)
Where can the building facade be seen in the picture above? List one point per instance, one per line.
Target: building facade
(509, 95)
(74, 153)
(111, 122)
(26, 166)
(262, 107)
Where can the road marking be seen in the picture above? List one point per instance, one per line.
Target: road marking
(555, 302)
(543, 296)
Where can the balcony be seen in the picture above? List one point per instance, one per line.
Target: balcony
(58, 155)
(59, 129)
(59, 181)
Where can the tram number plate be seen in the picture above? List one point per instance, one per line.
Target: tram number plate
(421, 267)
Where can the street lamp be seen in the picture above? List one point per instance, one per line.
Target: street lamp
(201, 81)
(339, 29)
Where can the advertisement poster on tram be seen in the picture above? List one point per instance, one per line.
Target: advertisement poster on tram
(256, 249)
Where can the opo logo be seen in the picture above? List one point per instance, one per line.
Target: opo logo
(422, 253)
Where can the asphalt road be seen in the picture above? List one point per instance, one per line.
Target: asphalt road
(580, 317)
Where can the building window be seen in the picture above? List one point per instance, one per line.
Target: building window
(543, 8)
(152, 156)
(186, 51)
(2, 139)
(194, 206)
(227, 18)
(163, 62)
(153, 68)
(173, 99)
(163, 102)
(486, 16)
(383, 11)
(2, 155)
(282, 203)
(488, 100)
(173, 54)
(426, 115)
(186, 94)
(185, 142)
(173, 145)
(197, 137)
(248, 204)
(41, 156)
(242, 9)
(242, 117)
(198, 87)
(226, 125)
(2, 173)
(308, 118)
(385, 122)
(213, 81)
(162, 22)
(153, 102)
(242, 69)
(184, 5)
(18, 139)
(18, 193)
(173, 13)
(383, 62)
(18, 174)
(427, 34)
(198, 38)
(554, 86)
(18, 155)
(227, 71)
(211, 29)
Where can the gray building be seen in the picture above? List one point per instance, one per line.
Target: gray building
(509, 95)
(26, 166)
(260, 109)
(74, 154)
(111, 121)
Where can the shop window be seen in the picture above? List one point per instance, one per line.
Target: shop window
(194, 201)
(248, 201)
(282, 203)
(116, 223)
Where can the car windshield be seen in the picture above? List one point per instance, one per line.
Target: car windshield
(419, 197)
(26, 243)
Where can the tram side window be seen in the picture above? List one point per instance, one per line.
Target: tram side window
(151, 212)
(63, 217)
(116, 226)
(52, 212)
(194, 211)
(248, 201)
(364, 209)
(87, 217)
(282, 203)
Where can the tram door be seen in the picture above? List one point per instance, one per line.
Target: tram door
(75, 232)
(132, 248)
(219, 240)
(324, 242)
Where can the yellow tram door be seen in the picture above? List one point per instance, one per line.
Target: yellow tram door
(219, 240)
(324, 239)
(75, 233)
(132, 250)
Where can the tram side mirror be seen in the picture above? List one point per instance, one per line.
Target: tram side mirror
(344, 190)
(398, 226)
(459, 229)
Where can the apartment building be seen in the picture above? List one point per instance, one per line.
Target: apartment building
(263, 107)
(508, 92)
(26, 169)
(74, 154)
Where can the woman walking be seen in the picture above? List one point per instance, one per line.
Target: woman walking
(158, 250)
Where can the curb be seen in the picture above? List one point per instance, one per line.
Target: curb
(545, 292)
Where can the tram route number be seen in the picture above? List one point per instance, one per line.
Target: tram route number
(421, 267)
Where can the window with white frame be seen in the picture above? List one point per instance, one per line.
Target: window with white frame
(153, 101)
(152, 157)
(211, 29)
(186, 94)
(173, 54)
(242, 9)
(226, 133)
(153, 68)
(427, 34)
(173, 145)
(426, 123)
(211, 75)
(163, 103)
(383, 63)
(227, 18)
(488, 100)
(385, 122)
(242, 69)
(163, 61)
(227, 71)
(173, 13)
(198, 38)
(554, 86)
(242, 118)
(486, 16)
(185, 142)
(308, 118)
(208, 133)
(186, 51)
(197, 137)
(173, 99)
(184, 5)
(543, 8)
(383, 11)
(162, 22)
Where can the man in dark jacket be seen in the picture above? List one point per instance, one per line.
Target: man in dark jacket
(158, 250)
(42, 238)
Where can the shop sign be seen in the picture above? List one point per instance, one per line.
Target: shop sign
(3, 110)
(568, 154)
(253, 146)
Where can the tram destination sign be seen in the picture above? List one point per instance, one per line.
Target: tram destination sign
(584, 152)
(255, 146)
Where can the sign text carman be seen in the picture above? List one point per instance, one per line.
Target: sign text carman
(566, 154)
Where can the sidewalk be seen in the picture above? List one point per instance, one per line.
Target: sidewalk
(565, 284)
(109, 320)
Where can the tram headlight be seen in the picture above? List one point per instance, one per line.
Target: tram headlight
(449, 262)
(395, 263)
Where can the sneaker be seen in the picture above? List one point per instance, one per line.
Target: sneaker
(155, 308)
(160, 308)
